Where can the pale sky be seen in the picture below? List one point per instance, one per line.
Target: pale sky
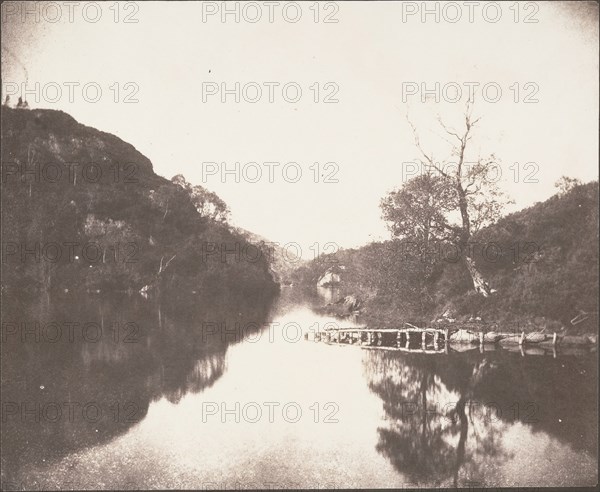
(366, 57)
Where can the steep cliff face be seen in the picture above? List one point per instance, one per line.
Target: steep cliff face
(82, 209)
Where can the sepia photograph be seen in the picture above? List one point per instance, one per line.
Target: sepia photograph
(266, 245)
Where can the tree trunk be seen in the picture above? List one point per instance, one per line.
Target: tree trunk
(481, 286)
(479, 283)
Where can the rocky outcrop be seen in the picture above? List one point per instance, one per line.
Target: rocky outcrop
(347, 306)
(351, 303)
(332, 276)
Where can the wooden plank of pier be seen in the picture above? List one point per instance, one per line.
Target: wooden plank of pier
(435, 331)
(366, 330)
(401, 349)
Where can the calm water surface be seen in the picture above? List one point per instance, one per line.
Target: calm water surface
(227, 393)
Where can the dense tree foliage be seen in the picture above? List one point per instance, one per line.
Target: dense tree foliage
(419, 210)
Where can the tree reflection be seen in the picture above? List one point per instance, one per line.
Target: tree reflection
(447, 414)
(166, 354)
(416, 442)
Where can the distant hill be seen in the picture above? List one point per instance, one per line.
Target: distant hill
(84, 210)
(283, 261)
(542, 262)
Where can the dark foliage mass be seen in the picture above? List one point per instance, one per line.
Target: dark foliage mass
(82, 210)
(541, 262)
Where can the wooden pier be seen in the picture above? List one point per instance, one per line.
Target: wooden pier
(407, 339)
(411, 338)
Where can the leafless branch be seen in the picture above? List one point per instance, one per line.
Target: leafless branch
(448, 130)
(430, 161)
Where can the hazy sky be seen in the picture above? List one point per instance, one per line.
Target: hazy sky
(367, 57)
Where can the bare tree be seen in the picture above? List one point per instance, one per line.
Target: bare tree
(475, 196)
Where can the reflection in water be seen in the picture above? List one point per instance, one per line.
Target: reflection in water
(401, 419)
(65, 388)
(450, 418)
